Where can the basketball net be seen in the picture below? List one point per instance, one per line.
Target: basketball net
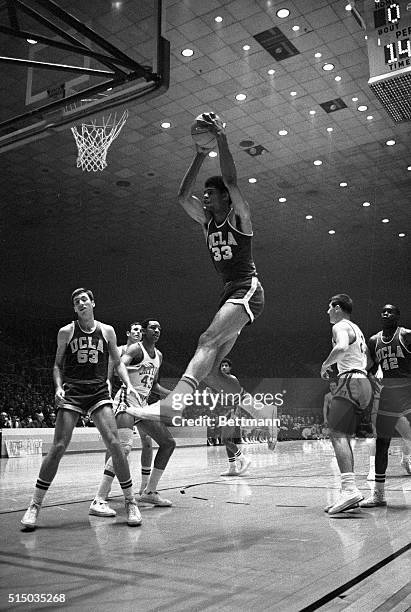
(94, 140)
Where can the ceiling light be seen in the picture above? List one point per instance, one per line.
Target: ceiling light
(271, 71)
(385, 220)
(293, 93)
(337, 78)
(331, 232)
(296, 28)
(317, 162)
(187, 52)
(282, 199)
(328, 67)
(343, 184)
(31, 41)
(409, 168)
(252, 180)
(308, 216)
(218, 19)
(354, 99)
(166, 125)
(362, 108)
(330, 129)
(212, 154)
(240, 97)
(365, 204)
(366, 37)
(116, 5)
(283, 132)
(348, 7)
(318, 55)
(312, 112)
(369, 117)
(401, 235)
(390, 143)
(246, 47)
(283, 13)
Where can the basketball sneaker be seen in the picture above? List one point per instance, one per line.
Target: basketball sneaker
(133, 513)
(232, 471)
(406, 463)
(150, 497)
(346, 501)
(100, 507)
(245, 463)
(377, 498)
(30, 517)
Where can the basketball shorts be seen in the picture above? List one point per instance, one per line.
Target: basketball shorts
(85, 397)
(137, 407)
(352, 396)
(247, 292)
(395, 402)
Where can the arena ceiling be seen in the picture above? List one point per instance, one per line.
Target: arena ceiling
(121, 231)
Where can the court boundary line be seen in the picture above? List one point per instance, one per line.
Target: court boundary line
(354, 581)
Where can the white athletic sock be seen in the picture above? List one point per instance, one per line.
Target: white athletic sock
(379, 484)
(154, 479)
(145, 475)
(348, 481)
(40, 490)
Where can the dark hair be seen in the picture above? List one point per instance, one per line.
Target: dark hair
(218, 183)
(397, 310)
(226, 360)
(132, 325)
(145, 323)
(77, 292)
(343, 301)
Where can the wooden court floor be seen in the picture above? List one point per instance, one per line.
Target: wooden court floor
(256, 542)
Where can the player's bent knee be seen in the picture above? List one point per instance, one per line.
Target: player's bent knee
(126, 439)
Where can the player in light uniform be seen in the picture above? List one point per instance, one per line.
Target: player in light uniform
(390, 348)
(327, 401)
(80, 378)
(225, 219)
(143, 361)
(134, 334)
(353, 394)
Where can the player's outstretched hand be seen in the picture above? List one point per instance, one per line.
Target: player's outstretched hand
(215, 122)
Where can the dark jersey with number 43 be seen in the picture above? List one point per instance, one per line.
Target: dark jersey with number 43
(230, 251)
(86, 356)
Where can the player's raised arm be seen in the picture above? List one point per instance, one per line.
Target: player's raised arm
(186, 198)
(229, 174)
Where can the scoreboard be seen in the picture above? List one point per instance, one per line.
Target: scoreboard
(388, 27)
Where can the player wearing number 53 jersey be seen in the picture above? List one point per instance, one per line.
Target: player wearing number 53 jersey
(80, 377)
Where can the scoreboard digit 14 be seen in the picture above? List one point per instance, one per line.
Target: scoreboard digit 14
(388, 26)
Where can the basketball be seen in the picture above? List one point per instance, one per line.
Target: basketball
(202, 135)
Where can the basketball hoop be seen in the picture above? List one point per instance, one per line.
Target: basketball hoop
(94, 140)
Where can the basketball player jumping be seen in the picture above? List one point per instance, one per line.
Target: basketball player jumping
(391, 349)
(225, 219)
(353, 394)
(80, 378)
(143, 361)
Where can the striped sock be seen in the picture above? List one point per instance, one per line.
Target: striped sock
(107, 481)
(145, 475)
(231, 460)
(127, 487)
(40, 490)
(190, 381)
(238, 455)
(379, 484)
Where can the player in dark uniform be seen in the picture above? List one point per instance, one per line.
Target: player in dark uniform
(225, 218)
(391, 349)
(80, 378)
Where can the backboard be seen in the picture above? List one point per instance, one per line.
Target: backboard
(64, 60)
